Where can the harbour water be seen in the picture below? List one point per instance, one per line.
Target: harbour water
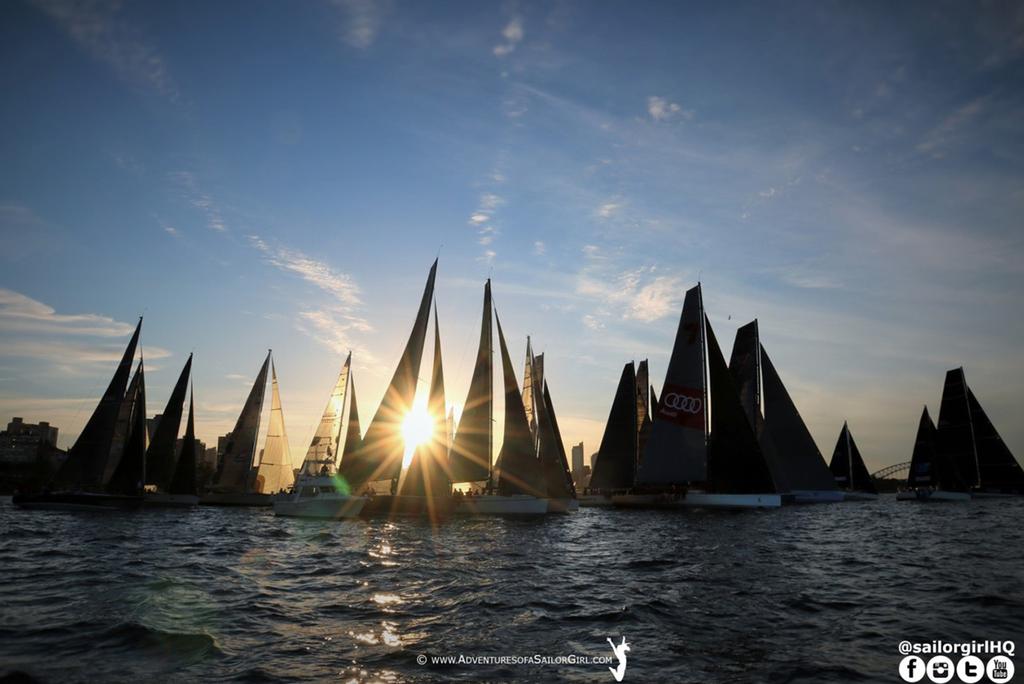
(804, 593)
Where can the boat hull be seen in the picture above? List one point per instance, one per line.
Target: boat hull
(162, 500)
(322, 507)
(859, 496)
(658, 501)
(596, 501)
(734, 501)
(931, 495)
(804, 496)
(77, 501)
(236, 499)
(493, 504)
(401, 506)
(563, 505)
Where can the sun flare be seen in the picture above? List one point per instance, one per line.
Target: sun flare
(417, 427)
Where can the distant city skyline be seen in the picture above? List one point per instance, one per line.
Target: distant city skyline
(271, 176)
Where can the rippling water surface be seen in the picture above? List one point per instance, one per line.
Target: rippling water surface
(811, 593)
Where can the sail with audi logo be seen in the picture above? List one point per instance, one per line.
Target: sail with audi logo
(616, 463)
(848, 468)
(696, 457)
(797, 466)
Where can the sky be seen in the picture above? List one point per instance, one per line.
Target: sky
(278, 175)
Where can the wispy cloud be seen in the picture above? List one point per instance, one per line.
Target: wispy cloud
(639, 294)
(948, 131)
(363, 21)
(608, 209)
(539, 248)
(21, 313)
(99, 29)
(661, 109)
(513, 34)
(340, 285)
(202, 201)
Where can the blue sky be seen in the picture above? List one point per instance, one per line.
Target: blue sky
(281, 175)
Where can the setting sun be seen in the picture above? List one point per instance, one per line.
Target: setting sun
(417, 427)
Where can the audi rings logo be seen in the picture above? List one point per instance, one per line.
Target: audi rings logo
(681, 402)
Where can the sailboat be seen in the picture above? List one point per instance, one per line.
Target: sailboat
(233, 482)
(164, 467)
(848, 468)
(382, 449)
(318, 492)
(515, 484)
(933, 476)
(558, 485)
(796, 464)
(689, 460)
(85, 480)
(615, 468)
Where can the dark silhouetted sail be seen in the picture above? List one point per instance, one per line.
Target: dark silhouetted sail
(999, 470)
(550, 451)
(654, 406)
(353, 434)
(676, 451)
(323, 448)
(529, 403)
(519, 471)
(927, 467)
(122, 426)
(615, 467)
(804, 466)
(735, 462)
(130, 472)
(86, 464)
(184, 479)
(644, 392)
(233, 474)
(383, 446)
(427, 474)
(954, 438)
(568, 489)
(471, 450)
(848, 467)
(161, 455)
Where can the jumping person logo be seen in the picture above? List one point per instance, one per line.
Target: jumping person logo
(620, 653)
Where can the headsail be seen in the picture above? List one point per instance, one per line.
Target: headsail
(550, 451)
(353, 434)
(161, 456)
(529, 402)
(954, 438)
(470, 456)
(644, 392)
(86, 464)
(518, 469)
(676, 451)
(805, 468)
(570, 486)
(323, 449)
(998, 469)
(383, 448)
(615, 467)
(736, 463)
(427, 474)
(184, 479)
(275, 470)
(848, 467)
(234, 470)
(130, 472)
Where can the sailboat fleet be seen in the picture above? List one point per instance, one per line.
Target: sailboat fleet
(720, 436)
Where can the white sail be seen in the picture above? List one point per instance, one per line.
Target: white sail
(323, 449)
(275, 470)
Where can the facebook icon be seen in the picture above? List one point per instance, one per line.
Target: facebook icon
(912, 668)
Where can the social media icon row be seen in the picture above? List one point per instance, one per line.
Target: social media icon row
(969, 669)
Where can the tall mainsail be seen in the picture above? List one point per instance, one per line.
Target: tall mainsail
(615, 467)
(518, 469)
(323, 449)
(184, 478)
(998, 469)
(470, 456)
(927, 467)
(161, 456)
(130, 472)
(529, 402)
(233, 473)
(550, 451)
(848, 467)
(353, 434)
(805, 468)
(736, 463)
(954, 438)
(570, 486)
(676, 451)
(275, 470)
(427, 474)
(86, 464)
(122, 426)
(644, 392)
(383, 448)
